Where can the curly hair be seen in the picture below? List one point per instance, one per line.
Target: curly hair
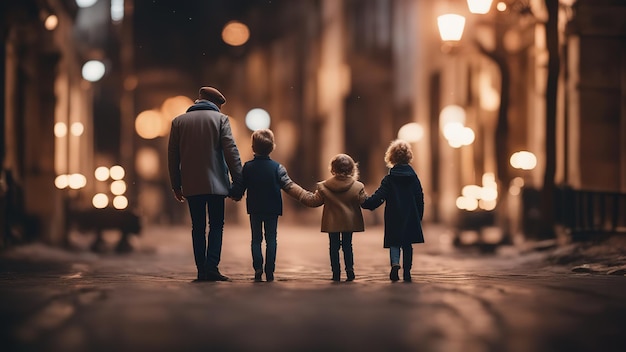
(344, 165)
(263, 141)
(398, 152)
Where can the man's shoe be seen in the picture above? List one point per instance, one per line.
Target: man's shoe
(336, 276)
(201, 276)
(215, 276)
(257, 275)
(269, 276)
(350, 275)
(393, 275)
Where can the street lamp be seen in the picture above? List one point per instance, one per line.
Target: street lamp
(451, 27)
(479, 6)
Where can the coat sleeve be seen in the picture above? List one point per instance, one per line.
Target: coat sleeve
(173, 157)
(231, 153)
(379, 196)
(419, 198)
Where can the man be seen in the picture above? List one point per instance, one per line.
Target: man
(201, 153)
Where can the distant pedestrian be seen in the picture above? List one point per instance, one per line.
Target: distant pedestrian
(402, 190)
(263, 179)
(201, 154)
(341, 195)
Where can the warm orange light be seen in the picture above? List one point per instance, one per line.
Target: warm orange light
(171, 108)
(51, 22)
(147, 163)
(235, 33)
(149, 124)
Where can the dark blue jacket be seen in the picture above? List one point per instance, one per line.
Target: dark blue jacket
(402, 192)
(263, 179)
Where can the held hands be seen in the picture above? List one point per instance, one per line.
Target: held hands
(178, 194)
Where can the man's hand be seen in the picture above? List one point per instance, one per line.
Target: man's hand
(178, 194)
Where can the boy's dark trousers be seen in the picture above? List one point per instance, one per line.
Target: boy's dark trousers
(269, 223)
(341, 240)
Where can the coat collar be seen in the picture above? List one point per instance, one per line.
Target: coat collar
(203, 105)
(402, 170)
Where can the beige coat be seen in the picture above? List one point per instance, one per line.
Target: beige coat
(342, 198)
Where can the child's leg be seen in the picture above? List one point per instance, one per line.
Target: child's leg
(335, 243)
(271, 224)
(394, 256)
(407, 261)
(348, 255)
(256, 227)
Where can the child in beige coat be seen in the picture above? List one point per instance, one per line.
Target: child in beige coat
(342, 196)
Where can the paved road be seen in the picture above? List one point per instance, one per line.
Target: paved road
(146, 301)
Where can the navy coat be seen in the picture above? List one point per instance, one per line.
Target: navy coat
(263, 178)
(402, 192)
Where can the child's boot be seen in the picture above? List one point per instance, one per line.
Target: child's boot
(393, 275)
(406, 274)
(257, 275)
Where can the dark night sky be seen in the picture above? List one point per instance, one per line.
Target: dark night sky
(175, 32)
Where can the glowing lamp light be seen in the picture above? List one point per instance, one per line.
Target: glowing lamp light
(235, 33)
(62, 181)
(60, 129)
(102, 173)
(501, 6)
(85, 3)
(451, 27)
(480, 7)
(77, 129)
(117, 10)
(257, 119)
(523, 160)
(118, 187)
(100, 200)
(120, 202)
(149, 124)
(411, 132)
(93, 70)
(51, 22)
(77, 181)
(117, 172)
(452, 113)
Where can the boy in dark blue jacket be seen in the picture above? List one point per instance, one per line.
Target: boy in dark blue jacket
(263, 178)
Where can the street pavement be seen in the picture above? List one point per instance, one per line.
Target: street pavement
(54, 299)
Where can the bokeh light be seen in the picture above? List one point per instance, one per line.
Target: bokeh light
(257, 119)
(523, 160)
(117, 172)
(62, 181)
(85, 3)
(411, 132)
(101, 173)
(51, 22)
(171, 108)
(60, 129)
(147, 163)
(93, 70)
(149, 124)
(120, 202)
(77, 129)
(100, 200)
(235, 33)
(118, 187)
(77, 181)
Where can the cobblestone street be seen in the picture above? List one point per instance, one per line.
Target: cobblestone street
(57, 300)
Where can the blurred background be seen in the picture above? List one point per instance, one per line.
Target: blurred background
(516, 109)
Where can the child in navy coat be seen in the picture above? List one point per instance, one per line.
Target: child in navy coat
(402, 191)
(263, 179)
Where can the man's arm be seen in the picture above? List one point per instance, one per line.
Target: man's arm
(173, 162)
(231, 153)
